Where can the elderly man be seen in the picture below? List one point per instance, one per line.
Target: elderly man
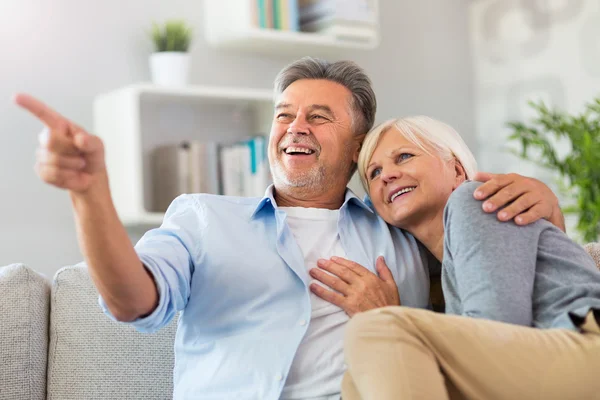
(254, 325)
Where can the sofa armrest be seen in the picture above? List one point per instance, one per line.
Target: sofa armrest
(24, 316)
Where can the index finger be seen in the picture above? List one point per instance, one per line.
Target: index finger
(492, 186)
(47, 115)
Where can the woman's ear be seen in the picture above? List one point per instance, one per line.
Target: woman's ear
(359, 141)
(459, 172)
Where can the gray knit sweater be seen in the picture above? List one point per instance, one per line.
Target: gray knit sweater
(530, 275)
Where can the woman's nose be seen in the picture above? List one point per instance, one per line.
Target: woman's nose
(389, 175)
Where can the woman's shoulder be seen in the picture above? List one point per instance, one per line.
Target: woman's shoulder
(464, 192)
(462, 197)
(464, 207)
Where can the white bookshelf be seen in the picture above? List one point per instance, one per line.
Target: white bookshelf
(228, 25)
(135, 119)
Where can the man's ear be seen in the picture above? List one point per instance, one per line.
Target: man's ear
(460, 174)
(359, 141)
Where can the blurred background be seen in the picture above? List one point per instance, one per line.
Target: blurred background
(473, 64)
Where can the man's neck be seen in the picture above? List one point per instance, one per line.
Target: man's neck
(303, 197)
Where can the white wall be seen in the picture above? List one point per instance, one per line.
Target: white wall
(534, 50)
(67, 51)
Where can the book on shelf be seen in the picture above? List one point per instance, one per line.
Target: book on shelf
(239, 169)
(245, 168)
(275, 14)
(186, 167)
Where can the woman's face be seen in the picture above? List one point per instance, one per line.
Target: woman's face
(407, 185)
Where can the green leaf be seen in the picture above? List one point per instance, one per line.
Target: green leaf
(173, 35)
(580, 169)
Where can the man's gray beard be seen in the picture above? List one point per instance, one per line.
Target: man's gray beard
(313, 178)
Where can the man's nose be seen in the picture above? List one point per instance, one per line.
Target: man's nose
(299, 126)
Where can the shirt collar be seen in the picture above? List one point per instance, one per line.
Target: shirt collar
(350, 197)
(268, 199)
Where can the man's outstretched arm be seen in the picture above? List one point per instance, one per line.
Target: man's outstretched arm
(70, 158)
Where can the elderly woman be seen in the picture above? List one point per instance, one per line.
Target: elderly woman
(520, 300)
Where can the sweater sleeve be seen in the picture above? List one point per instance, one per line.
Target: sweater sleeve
(493, 262)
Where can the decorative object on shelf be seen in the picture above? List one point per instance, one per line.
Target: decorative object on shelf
(170, 63)
(273, 27)
(350, 20)
(579, 170)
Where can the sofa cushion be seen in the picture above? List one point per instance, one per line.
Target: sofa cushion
(24, 314)
(93, 357)
(594, 250)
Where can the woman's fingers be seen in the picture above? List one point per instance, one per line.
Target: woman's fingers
(351, 265)
(331, 281)
(340, 270)
(383, 270)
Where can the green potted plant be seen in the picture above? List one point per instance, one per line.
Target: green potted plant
(579, 170)
(170, 62)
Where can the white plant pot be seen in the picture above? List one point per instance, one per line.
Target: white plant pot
(170, 68)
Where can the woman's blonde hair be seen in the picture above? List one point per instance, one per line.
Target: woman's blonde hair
(421, 131)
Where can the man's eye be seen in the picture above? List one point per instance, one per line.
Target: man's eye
(283, 116)
(375, 172)
(317, 117)
(404, 156)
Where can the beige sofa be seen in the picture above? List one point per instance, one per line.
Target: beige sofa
(55, 343)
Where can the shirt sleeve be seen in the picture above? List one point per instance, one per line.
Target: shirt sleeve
(168, 253)
(493, 262)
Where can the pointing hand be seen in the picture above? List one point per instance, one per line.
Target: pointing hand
(68, 157)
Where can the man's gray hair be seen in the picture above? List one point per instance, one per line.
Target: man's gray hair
(347, 73)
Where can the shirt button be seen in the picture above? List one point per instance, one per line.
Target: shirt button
(302, 323)
(279, 377)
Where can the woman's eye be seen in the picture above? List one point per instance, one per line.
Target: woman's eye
(404, 156)
(375, 172)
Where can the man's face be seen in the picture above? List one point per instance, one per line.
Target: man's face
(311, 143)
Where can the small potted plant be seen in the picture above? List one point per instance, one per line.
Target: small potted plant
(170, 62)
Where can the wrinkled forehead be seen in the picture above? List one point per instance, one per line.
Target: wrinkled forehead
(315, 93)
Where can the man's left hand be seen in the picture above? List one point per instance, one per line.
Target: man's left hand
(524, 199)
(356, 288)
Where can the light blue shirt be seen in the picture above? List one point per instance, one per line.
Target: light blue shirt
(233, 268)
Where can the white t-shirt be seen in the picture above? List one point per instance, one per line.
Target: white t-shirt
(318, 367)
